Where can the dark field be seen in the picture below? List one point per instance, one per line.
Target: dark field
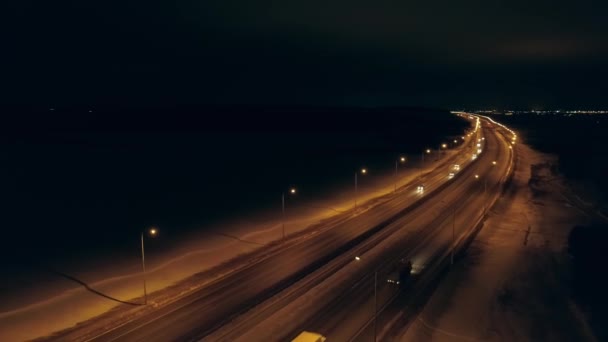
(78, 183)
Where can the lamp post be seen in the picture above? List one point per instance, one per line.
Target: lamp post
(427, 151)
(453, 236)
(291, 191)
(485, 194)
(363, 171)
(375, 304)
(152, 232)
(357, 258)
(485, 190)
(402, 160)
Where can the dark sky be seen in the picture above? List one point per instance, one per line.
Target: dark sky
(517, 53)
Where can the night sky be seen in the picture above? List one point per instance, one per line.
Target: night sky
(517, 53)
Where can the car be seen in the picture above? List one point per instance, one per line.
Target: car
(451, 175)
(479, 151)
(456, 167)
(401, 273)
(307, 336)
(474, 156)
(420, 188)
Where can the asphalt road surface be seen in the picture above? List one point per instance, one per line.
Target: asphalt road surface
(214, 307)
(418, 235)
(463, 205)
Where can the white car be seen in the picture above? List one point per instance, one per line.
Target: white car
(478, 151)
(456, 167)
(451, 175)
(420, 189)
(474, 157)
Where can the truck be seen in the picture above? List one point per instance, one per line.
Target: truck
(307, 336)
(401, 273)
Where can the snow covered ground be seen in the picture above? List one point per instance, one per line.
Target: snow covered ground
(55, 303)
(512, 283)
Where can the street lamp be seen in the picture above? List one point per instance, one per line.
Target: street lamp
(363, 172)
(442, 149)
(375, 304)
(152, 232)
(293, 192)
(453, 236)
(485, 188)
(357, 258)
(427, 151)
(402, 160)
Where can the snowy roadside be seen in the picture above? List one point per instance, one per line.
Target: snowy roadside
(512, 283)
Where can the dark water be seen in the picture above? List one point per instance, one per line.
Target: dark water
(77, 183)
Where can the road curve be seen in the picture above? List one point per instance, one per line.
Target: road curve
(417, 235)
(211, 307)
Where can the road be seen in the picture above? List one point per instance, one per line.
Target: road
(204, 311)
(343, 319)
(338, 310)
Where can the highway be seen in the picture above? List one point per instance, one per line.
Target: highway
(463, 206)
(282, 273)
(339, 309)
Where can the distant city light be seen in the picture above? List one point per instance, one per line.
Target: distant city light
(542, 112)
